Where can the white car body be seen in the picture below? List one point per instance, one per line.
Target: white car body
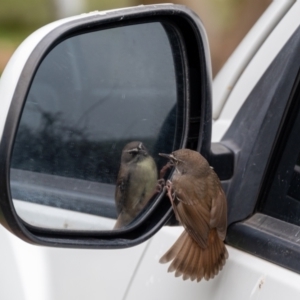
(42, 273)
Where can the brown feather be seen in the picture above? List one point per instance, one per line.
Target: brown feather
(208, 261)
(136, 182)
(195, 216)
(200, 206)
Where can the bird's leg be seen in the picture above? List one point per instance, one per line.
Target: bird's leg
(158, 188)
(161, 182)
(160, 185)
(164, 169)
(169, 187)
(172, 197)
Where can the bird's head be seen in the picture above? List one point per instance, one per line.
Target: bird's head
(186, 160)
(134, 151)
(175, 160)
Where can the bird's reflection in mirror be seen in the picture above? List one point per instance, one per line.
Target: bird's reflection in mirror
(137, 182)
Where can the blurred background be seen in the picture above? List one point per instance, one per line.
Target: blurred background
(226, 21)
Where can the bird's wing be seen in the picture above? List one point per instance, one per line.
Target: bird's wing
(218, 213)
(192, 207)
(120, 193)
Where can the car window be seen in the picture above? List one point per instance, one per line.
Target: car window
(272, 230)
(263, 196)
(282, 197)
(294, 189)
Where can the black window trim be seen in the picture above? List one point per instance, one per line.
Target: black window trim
(253, 137)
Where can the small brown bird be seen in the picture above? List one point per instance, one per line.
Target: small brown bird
(136, 182)
(199, 204)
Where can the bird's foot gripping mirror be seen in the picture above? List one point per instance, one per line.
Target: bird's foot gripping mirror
(89, 102)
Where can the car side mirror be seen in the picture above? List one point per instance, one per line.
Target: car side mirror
(83, 98)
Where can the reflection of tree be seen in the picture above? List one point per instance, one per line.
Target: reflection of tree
(57, 148)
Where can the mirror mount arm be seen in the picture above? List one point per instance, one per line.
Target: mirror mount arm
(221, 158)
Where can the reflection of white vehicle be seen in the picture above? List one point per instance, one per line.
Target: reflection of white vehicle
(256, 116)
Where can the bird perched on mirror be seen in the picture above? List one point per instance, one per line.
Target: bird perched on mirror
(200, 205)
(136, 182)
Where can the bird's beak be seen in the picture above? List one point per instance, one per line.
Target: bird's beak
(169, 156)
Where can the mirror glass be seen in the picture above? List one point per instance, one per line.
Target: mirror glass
(95, 96)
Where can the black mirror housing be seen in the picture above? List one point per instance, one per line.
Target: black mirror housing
(195, 110)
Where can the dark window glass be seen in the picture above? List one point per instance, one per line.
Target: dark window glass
(282, 199)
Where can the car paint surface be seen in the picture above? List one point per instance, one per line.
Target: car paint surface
(39, 273)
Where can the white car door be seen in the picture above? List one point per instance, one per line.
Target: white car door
(134, 273)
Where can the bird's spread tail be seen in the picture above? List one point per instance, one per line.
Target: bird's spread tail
(192, 262)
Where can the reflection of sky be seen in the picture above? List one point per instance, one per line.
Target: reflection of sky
(113, 84)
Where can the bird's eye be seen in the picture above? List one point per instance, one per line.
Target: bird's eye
(133, 152)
